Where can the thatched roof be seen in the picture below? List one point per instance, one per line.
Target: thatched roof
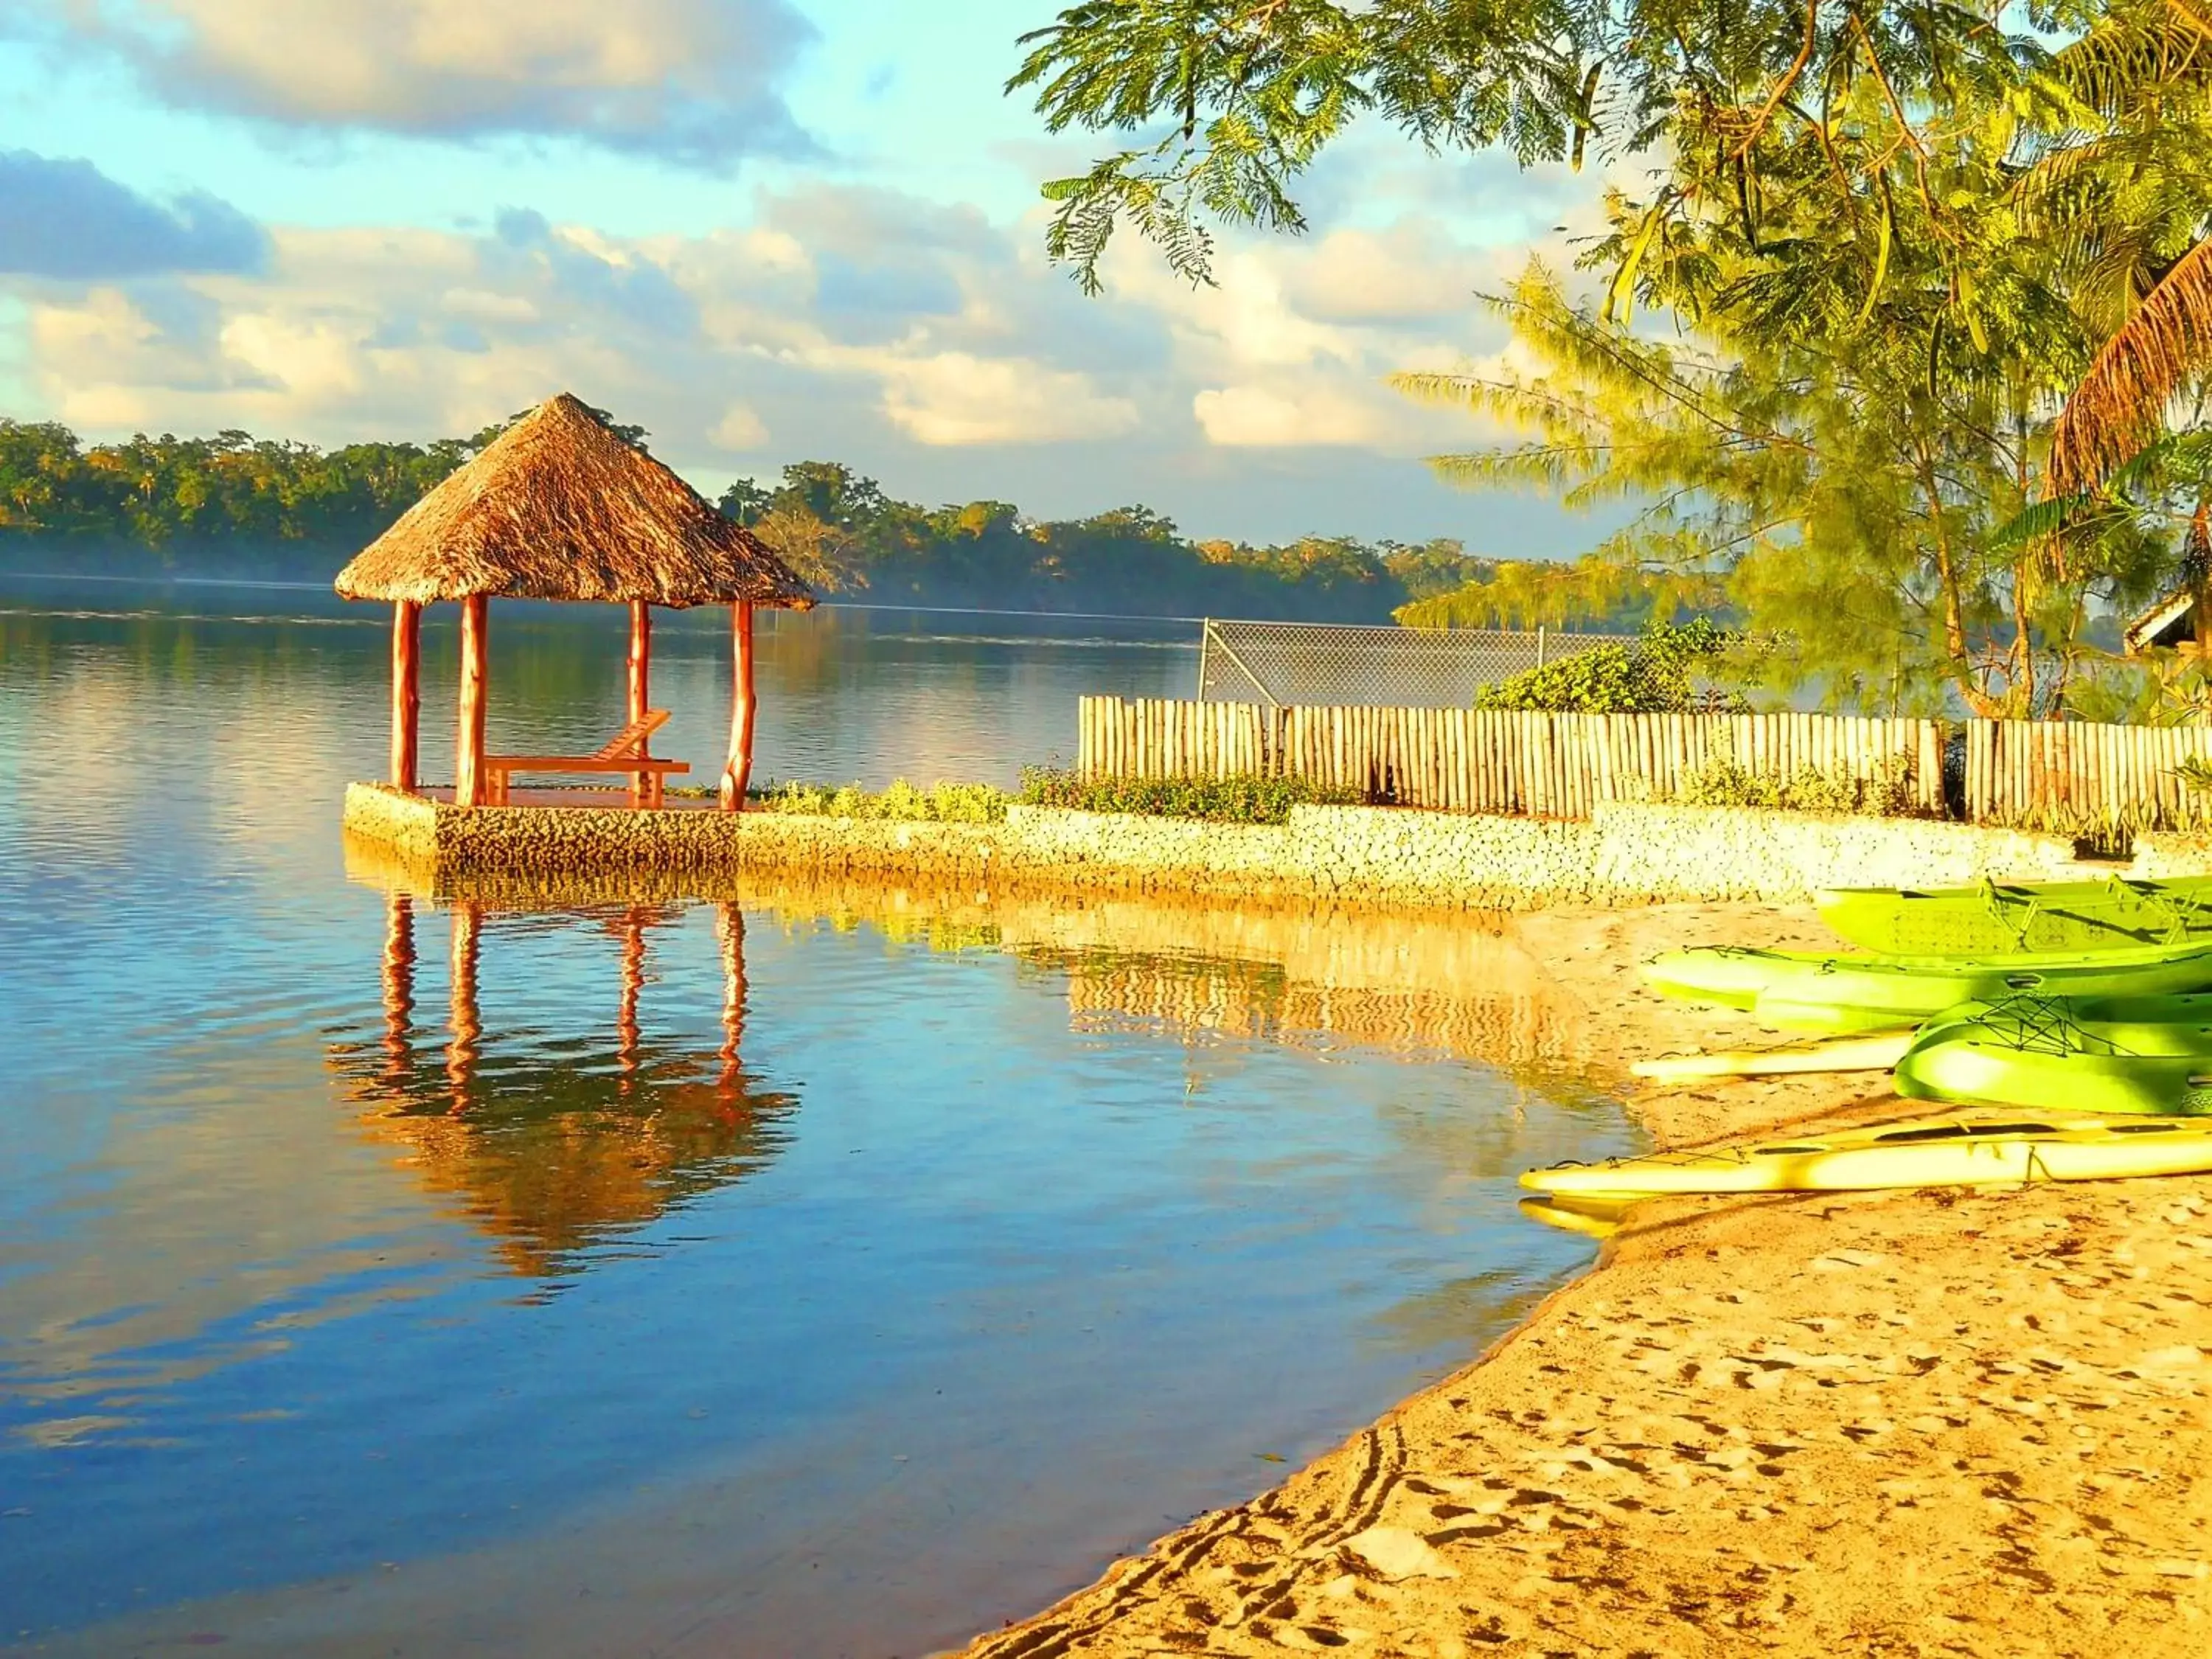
(2184, 616)
(559, 507)
(2168, 623)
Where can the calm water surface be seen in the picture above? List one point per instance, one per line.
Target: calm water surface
(803, 1272)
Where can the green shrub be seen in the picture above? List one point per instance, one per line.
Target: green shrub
(1230, 800)
(1657, 674)
(1723, 781)
(941, 803)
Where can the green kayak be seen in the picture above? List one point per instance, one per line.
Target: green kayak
(2149, 1056)
(2189, 1008)
(2002, 919)
(1808, 990)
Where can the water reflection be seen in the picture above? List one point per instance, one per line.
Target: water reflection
(1421, 984)
(564, 1144)
(420, 1256)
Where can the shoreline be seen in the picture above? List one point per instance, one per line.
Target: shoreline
(1783, 1425)
(1382, 858)
(1900, 1422)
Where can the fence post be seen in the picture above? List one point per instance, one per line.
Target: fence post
(1540, 645)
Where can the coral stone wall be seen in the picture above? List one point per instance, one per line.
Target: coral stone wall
(1626, 855)
(1729, 853)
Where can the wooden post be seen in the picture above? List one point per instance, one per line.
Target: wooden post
(640, 660)
(469, 738)
(467, 1021)
(739, 771)
(643, 785)
(406, 692)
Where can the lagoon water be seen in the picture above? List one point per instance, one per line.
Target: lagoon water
(814, 1272)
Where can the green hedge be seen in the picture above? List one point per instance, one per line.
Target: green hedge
(941, 803)
(1657, 674)
(1229, 800)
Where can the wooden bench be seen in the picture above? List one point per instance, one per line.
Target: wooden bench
(624, 752)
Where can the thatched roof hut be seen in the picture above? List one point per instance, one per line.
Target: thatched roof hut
(559, 506)
(2182, 619)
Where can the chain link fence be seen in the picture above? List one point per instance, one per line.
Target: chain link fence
(1286, 664)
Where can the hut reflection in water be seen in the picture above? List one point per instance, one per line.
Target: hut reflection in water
(561, 1147)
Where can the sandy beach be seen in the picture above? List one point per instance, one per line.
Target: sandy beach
(1896, 1423)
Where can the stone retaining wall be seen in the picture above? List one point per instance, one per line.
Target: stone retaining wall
(1346, 855)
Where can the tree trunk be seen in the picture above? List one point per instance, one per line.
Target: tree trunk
(2022, 691)
(1954, 624)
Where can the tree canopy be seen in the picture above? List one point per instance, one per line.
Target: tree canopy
(1226, 102)
(1896, 330)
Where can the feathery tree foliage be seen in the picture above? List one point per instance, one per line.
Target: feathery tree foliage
(1530, 593)
(1935, 277)
(1228, 101)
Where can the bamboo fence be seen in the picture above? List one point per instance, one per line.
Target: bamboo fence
(2067, 774)
(2043, 775)
(1472, 760)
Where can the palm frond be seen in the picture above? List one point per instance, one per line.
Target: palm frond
(2120, 406)
(2038, 519)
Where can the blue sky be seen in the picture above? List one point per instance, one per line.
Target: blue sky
(765, 229)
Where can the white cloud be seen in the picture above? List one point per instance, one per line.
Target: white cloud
(693, 80)
(935, 351)
(953, 397)
(313, 359)
(1246, 320)
(740, 429)
(126, 370)
(1253, 417)
(485, 306)
(1410, 271)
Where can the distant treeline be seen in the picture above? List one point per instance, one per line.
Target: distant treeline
(843, 533)
(232, 505)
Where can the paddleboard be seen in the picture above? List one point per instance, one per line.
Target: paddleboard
(1873, 1053)
(1982, 1150)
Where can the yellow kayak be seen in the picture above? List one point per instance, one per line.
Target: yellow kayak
(1958, 1150)
(1859, 1052)
(1592, 1218)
